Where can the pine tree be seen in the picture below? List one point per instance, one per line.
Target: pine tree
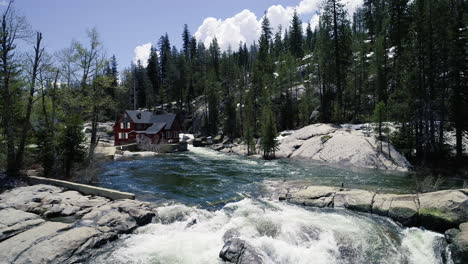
(309, 40)
(379, 118)
(269, 144)
(154, 75)
(295, 41)
(186, 39)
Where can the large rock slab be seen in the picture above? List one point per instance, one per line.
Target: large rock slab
(343, 145)
(14, 221)
(358, 200)
(437, 211)
(58, 248)
(404, 209)
(316, 196)
(12, 248)
(443, 209)
(28, 235)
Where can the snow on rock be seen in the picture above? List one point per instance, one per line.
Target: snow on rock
(344, 146)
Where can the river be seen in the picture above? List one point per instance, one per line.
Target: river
(227, 194)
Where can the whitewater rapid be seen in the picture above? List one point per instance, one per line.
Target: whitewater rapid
(279, 233)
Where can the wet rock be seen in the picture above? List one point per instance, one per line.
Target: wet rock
(230, 234)
(451, 234)
(140, 211)
(191, 223)
(239, 251)
(459, 246)
(404, 209)
(232, 250)
(443, 209)
(437, 211)
(382, 203)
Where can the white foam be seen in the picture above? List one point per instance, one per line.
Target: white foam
(281, 233)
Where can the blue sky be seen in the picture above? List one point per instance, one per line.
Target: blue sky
(126, 24)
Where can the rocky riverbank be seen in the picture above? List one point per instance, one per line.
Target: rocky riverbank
(355, 145)
(441, 211)
(48, 224)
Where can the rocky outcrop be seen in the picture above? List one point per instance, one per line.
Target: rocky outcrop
(354, 145)
(48, 224)
(458, 239)
(346, 145)
(437, 211)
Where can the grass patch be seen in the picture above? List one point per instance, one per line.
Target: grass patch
(325, 138)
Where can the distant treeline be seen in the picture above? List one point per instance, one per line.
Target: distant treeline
(399, 60)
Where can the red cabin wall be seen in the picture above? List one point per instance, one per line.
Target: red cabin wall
(131, 137)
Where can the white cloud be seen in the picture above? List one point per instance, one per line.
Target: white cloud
(142, 53)
(246, 27)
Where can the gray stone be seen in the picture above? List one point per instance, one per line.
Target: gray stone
(340, 145)
(232, 250)
(404, 209)
(230, 234)
(460, 245)
(239, 251)
(443, 209)
(316, 196)
(59, 248)
(381, 204)
(12, 248)
(13, 222)
(354, 199)
(120, 222)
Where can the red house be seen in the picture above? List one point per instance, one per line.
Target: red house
(146, 128)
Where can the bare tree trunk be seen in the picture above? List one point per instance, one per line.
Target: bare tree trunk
(38, 51)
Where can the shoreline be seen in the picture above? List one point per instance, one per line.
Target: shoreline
(95, 221)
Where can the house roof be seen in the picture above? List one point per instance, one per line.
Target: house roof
(140, 117)
(154, 129)
(168, 119)
(146, 117)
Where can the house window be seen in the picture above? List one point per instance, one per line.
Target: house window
(123, 135)
(125, 125)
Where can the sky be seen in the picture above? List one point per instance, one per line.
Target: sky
(128, 28)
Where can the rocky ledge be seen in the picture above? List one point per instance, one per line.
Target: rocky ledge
(441, 211)
(48, 224)
(355, 145)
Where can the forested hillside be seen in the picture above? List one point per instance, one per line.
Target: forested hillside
(405, 60)
(400, 61)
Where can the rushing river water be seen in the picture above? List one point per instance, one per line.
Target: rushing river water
(227, 194)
